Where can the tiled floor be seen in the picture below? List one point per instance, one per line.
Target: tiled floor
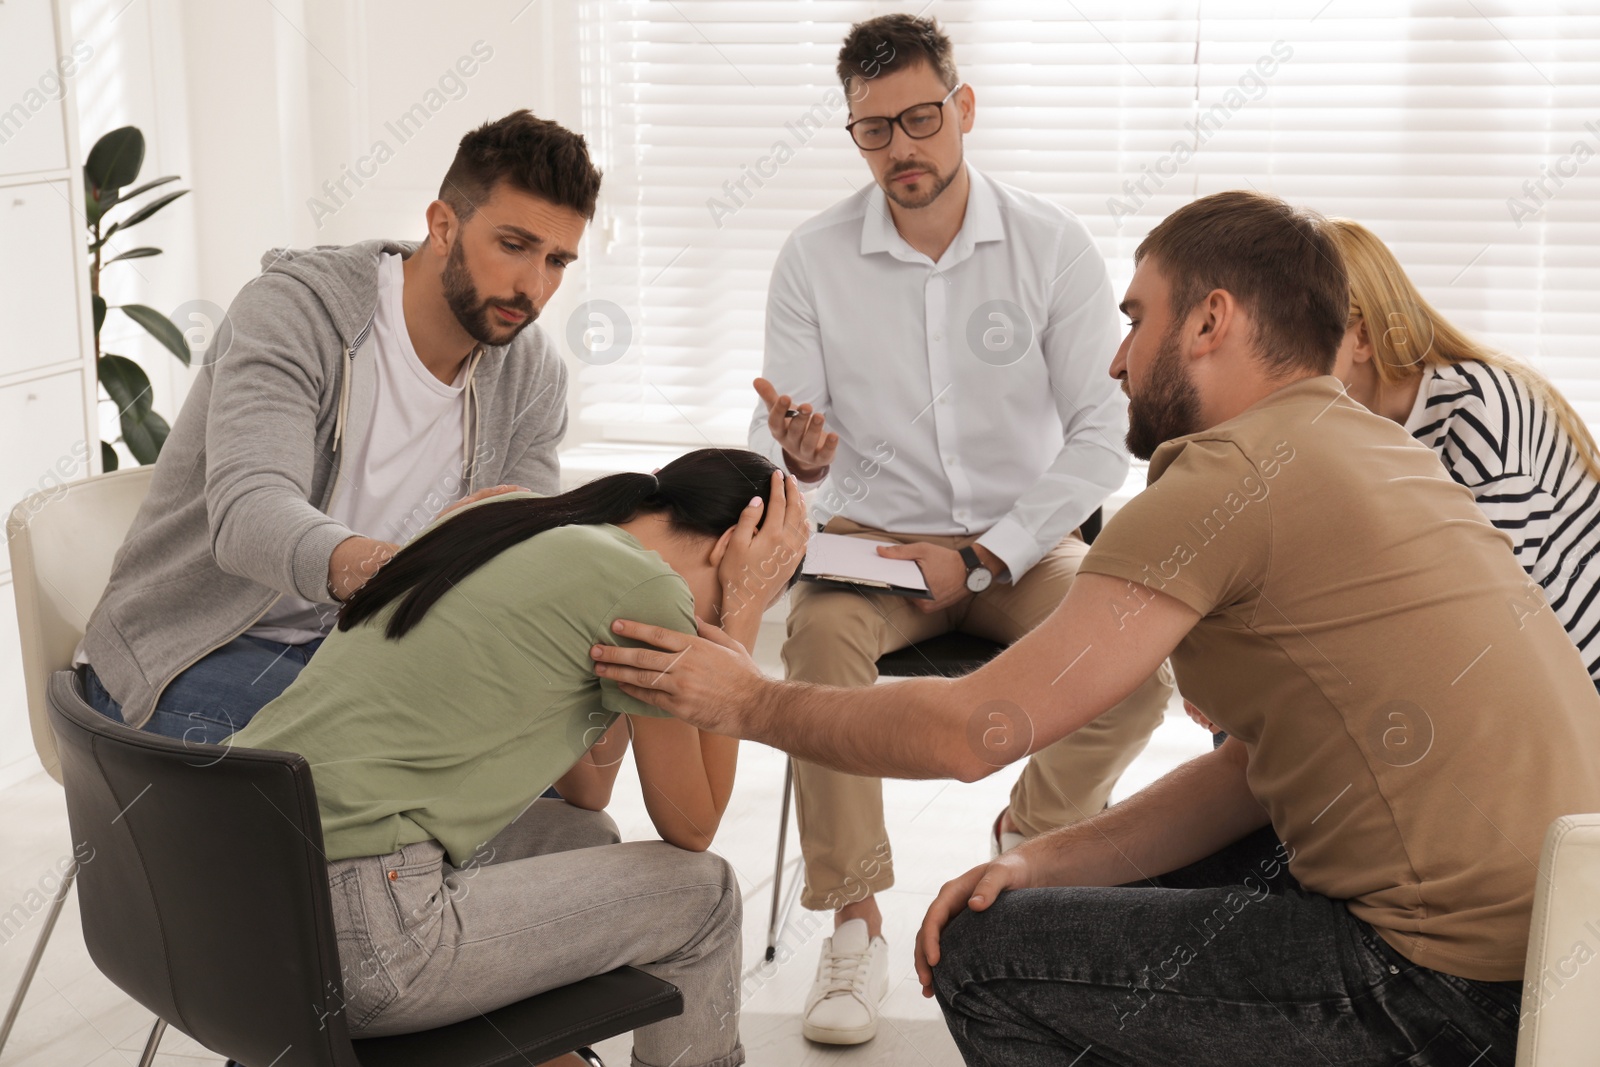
(74, 1016)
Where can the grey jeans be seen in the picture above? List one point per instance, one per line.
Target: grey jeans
(552, 899)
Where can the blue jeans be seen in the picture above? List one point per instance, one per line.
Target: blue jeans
(1215, 965)
(219, 693)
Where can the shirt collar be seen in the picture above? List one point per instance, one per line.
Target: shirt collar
(982, 223)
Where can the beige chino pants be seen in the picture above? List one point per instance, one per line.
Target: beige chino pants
(835, 638)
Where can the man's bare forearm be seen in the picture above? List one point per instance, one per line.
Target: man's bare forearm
(904, 730)
(1186, 815)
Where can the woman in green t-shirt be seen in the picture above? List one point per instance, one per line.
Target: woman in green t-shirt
(458, 686)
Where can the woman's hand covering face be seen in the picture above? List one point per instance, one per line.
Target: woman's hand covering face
(757, 564)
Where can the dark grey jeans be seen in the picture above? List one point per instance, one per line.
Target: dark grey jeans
(1227, 962)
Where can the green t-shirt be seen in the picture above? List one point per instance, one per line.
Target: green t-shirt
(451, 731)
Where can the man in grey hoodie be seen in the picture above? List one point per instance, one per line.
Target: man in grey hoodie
(352, 394)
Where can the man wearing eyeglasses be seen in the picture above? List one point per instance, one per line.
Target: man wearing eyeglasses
(935, 354)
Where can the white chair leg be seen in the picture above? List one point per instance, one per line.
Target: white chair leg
(38, 952)
(150, 1044)
(777, 873)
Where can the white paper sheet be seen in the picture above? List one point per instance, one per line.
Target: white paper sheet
(857, 559)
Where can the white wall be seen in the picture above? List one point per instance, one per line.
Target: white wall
(134, 77)
(258, 105)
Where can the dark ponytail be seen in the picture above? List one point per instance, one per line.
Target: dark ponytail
(701, 493)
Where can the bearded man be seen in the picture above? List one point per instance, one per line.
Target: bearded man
(353, 393)
(1346, 878)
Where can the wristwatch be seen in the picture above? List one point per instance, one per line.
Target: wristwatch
(979, 577)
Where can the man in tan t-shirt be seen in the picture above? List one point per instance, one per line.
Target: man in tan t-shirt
(1349, 878)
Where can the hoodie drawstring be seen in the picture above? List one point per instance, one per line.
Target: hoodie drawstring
(467, 411)
(344, 399)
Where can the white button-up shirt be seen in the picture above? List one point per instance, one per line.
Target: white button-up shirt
(969, 395)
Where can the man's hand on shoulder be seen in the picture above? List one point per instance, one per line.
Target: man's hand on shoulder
(708, 681)
(354, 561)
(483, 494)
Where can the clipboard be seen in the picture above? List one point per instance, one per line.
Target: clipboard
(840, 562)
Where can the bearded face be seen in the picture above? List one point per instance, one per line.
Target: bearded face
(922, 193)
(1167, 404)
(482, 319)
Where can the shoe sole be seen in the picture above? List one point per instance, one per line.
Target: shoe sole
(827, 1035)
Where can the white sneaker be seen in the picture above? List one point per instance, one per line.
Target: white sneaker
(852, 977)
(1002, 841)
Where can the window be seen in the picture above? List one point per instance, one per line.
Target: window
(1463, 133)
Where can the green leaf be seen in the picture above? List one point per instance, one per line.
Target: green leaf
(99, 312)
(115, 159)
(96, 206)
(108, 457)
(133, 253)
(146, 187)
(145, 436)
(160, 327)
(151, 208)
(126, 384)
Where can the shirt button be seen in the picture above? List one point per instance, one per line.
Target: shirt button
(938, 336)
(961, 513)
(950, 461)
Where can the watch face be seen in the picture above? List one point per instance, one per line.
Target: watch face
(978, 579)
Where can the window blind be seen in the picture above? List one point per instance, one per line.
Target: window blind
(1464, 133)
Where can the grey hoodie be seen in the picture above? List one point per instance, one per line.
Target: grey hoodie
(236, 514)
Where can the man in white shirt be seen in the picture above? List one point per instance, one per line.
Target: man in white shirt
(935, 352)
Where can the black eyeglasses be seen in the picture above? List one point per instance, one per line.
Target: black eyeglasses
(919, 121)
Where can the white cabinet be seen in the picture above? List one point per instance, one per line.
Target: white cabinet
(39, 311)
(47, 383)
(33, 133)
(39, 449)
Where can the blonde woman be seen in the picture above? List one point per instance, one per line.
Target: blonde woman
(1498, 425)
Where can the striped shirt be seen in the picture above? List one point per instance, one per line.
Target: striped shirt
(1504, 443)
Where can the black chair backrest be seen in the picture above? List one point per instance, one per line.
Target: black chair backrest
(204, 890)
(948, 655)
(1091, 526)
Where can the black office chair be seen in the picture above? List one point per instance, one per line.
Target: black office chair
(205, 898)
(947, 656)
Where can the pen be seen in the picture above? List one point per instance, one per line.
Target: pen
(791, 413)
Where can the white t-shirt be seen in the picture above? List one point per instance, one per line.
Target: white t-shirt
(410, 465)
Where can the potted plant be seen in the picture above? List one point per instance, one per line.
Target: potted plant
(112, 166)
